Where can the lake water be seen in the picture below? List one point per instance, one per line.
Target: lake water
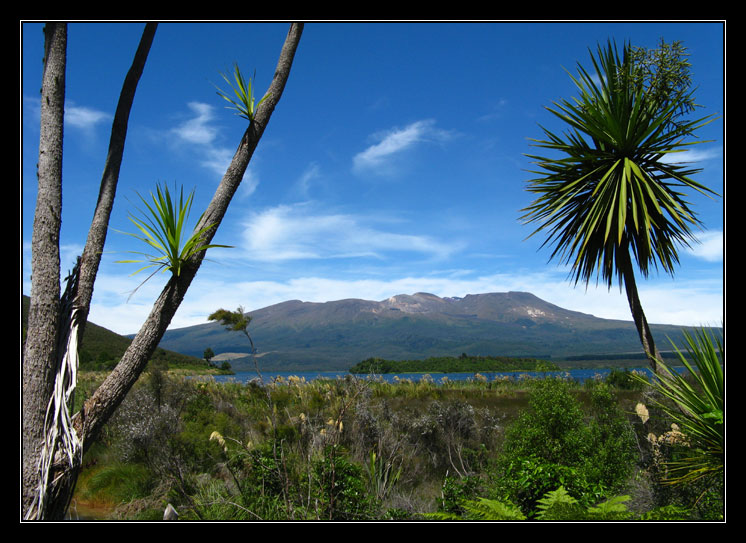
(579, 375)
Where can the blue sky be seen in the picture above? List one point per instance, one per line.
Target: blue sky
(394, 163)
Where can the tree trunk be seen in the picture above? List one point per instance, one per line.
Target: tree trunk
(34, 415)
(94, 246)
(97, 409)
(638, 315)
(40, 357)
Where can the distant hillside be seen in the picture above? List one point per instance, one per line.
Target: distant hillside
(102, 348)
(298, 336)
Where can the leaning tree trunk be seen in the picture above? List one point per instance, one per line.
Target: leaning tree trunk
(40, 356)
(94, 247)
(638, 315)
(100, 406)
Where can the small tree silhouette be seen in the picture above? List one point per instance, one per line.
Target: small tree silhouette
(237, 321)
(208, 355)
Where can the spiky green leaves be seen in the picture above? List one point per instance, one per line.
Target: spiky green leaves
(162, 227)
(613, 186)
(242, 99)
(696, 405)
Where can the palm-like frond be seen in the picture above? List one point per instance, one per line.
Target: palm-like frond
(243, 95)
(612, 187)
(162, 228)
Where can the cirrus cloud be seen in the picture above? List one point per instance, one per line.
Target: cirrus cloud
(299, 231)
(709, 246)
(396, 141)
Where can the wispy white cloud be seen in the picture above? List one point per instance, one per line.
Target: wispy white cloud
(197, 129)
(691, 156)
(395, 142)
(201, 133)
(84, 118)
(216, 159)
(310, 174)
(80, 117)
(710, 246)
(301, 231)
(497, 110)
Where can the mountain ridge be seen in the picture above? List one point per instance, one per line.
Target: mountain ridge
(297, 335)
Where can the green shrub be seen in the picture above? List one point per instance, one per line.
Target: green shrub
(623, 379)
(341, 488)
(555, 444)
(612, 455)
(456, 492)
(552, 429)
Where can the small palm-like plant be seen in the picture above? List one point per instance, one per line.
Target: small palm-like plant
(162, 227)
(244, 95)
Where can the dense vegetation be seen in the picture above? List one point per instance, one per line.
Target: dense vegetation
(451, 364)
(365, 449)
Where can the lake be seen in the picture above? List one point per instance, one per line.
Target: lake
(579, 375)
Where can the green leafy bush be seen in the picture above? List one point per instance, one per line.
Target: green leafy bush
(556, 444)
(623, 379)
(341, 488)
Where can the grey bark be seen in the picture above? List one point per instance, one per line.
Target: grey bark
(638, 315)
(40, 358)
(91, 258)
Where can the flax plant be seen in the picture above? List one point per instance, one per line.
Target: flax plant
(697, 406)
(162, 228)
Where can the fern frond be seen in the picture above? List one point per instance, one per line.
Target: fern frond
(559, 505)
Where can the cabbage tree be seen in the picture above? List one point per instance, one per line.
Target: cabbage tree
(611, 196)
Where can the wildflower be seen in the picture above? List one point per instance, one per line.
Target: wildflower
(675, 436)
(642, 412)
(215, 436)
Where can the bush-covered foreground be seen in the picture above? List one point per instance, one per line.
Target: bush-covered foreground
(359, 449)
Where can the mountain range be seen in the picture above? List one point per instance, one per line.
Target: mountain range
(297, 336)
